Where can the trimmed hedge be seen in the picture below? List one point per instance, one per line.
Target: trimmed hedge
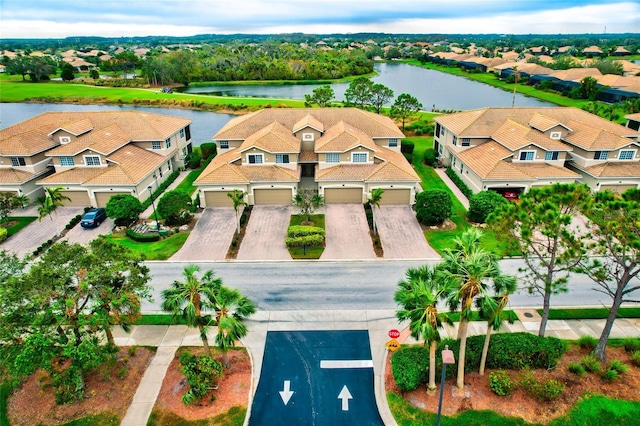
(142, 238)
(483, 204)
(209, 150)
(315, 240)
(409, 366)
(172, 177)
(433, 206)
(430, 157)
(513, 351)
(3, 234)
(407, 147)
(459, 183)
(302, 231)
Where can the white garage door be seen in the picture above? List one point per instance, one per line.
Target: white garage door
(217, 199)
(102, 198)
(396, 196)
(343, 195)
(78, 198)
(272, 196)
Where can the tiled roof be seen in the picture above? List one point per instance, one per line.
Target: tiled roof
(269, 174)
(10, 175)
(482, 159)
(308, 121)
(342, 137)
(307, 155)
(78, 127)
(358, 172)
(544, 123)
(104, 141)
(545, 171)
(273, 138)
(614, 169)
(77, 175)
(514, 136)
(593, 138)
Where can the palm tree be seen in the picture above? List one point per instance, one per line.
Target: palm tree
(53, 198)
(374, 201)
(190, 297)
(237, 196)
(231, 309)
(308, 201)
(418, 295)
(503, 286)
(471, 270)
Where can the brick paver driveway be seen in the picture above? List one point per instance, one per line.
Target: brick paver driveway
(211, 237)
(36, 233)
(401, 235)
(347, 233)
(265, 234)
(80, 235)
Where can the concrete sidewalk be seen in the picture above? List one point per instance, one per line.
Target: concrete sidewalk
(452, 186)
(149, 210)
(377, 322)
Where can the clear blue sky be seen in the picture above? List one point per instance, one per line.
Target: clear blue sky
(115, 18)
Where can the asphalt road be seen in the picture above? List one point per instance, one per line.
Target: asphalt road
(293, 285)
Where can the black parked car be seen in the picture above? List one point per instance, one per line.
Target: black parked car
(93, 218)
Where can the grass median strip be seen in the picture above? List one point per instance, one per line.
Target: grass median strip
(590, 313)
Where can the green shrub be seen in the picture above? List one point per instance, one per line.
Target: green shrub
(4, 234)
(591, 363)
(174, 207)
(201, 373)
(511, 351)
(618, 366)
(68, 386)
(301, 231)
(500, 383)
(609, 375)
(315, 240)
(483, 204)
(587, 342)
(209, 150)
(124, 209)
(459, 183)
(577, 369)
(192, 160)
(433, 206)
(408, 157)
(430, 156)
(543, 390)
(409, 367)
(142, 238)
(635, 358)
(407, 147)
(632, 345)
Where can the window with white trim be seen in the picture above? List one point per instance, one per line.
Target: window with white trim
(181, 133)
(555, 135)
(551, 155)
(65, 139)
(18, 161)
(224, 144)
(155, 145)
(333, 157)
(308, 137)
(627, 154)
(282, 158)
(67, 161)
(92, 160)
(168, 143)
(601, 155)
(527, 155)
(455, 140)
(442, 131)
(393, 142)
(466, 141)
(255, 158)
(359, 157)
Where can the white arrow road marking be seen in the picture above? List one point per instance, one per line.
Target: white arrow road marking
(286, 393)
(345, 396)
(348, 363)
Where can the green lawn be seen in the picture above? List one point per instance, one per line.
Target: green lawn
(590, 313)
(597, 410)
(313, 252)
(22, 221)
(158, 250)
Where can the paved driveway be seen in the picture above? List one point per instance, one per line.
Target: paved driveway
(265, 234)
(36, 233)
(80, 235)
(211, 237)
(401, 235)
(347, 233)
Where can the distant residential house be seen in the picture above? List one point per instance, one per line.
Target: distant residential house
(510, 150)
(633, 121)
(79, 64)
(343, 153)
(620, 51)
(92, 155)
(592, 51)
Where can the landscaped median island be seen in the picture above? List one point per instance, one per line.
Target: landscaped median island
(306, 236)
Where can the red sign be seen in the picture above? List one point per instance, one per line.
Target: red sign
(394, 334)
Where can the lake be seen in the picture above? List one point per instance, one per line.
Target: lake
(434, 89)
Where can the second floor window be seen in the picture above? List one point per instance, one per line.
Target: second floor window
(333, 157)
(282, 158)
(551, 155)
(601, 155)
(18, 161)
(224, 144)
(393, 142)
(155, 145)
(455, 140)
(527, 155)
(168, 143)
(254, 158)
(181, 133)
(67, 161)
(466, 141)
(359, 157)
(92, 160)
(626, 154)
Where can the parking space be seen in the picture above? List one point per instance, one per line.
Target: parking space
(401, 235)
(211, 237)
(347, 233)
(81, 235)
(37, 232)
(265, 234)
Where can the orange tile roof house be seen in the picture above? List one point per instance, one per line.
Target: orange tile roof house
(343, 153)
(92, 155)
(510, 150)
